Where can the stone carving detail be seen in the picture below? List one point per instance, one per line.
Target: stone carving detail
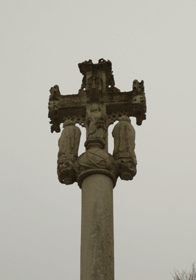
(124, 145)
(117, 103)
(138, 87)
(96, 125)
(97, 105)
(139, 101)
(54, 94)
(68, 152)
(94, 81)
(53, 107)
(97, 78)
(95, 161)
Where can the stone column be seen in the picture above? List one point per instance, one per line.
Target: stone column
(97, 241)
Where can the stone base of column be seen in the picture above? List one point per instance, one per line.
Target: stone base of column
(97, 241)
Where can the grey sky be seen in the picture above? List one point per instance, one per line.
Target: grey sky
(154, 215)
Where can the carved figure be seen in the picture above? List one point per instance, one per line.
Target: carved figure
(124, 145)
(96, 122)
(68, 152)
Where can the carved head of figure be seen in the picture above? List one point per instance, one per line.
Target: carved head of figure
(65, 171)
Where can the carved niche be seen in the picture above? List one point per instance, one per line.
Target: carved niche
(68, 152)
(124, 145)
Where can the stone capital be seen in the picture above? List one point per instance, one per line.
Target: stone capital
(95, 161)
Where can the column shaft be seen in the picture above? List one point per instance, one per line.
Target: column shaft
(97, 241)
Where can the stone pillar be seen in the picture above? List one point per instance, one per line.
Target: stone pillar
(97, 241)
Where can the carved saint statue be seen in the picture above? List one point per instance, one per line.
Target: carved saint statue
(68, 152)
(96, 121)
(124, 145)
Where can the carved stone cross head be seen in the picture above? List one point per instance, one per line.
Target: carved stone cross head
(97, 105)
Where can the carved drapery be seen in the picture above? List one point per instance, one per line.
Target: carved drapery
(124, 145)
(96, 125)
(68, 152)
(95, 161)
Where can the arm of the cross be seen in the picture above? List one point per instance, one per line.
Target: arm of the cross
(132, 104)
(73, 107)
(62, 107)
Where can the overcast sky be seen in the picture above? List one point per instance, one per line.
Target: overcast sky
(154, 215)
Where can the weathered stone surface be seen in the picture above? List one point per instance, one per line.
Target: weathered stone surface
(97, 105)
(97, 242)
(124, 145)
(68, 152)
(95, 161)
(96, 124)
(97, 85)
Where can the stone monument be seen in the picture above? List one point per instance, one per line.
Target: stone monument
(97, 105)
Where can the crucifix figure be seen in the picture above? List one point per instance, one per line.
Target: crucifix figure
(97, 105)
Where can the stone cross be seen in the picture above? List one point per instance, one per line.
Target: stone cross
(97, 105)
